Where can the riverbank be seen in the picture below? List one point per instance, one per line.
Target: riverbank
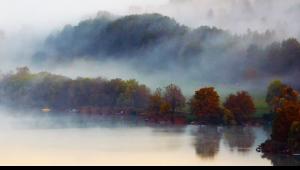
(129, 115)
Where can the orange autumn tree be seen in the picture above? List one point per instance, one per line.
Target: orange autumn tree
(206, 105)
(285, 132)
(287, 109)
(241, 105)
(287, 93)
(278, 91)
(287, 114)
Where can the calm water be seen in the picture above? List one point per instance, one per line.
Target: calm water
(38, 144)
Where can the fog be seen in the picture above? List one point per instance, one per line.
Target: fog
(48, 15)
(23, 33)
(237, 15)
(34, 119)
(231, 45)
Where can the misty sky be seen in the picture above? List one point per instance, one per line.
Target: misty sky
(24, 24)
(20, 14)
(234, 15)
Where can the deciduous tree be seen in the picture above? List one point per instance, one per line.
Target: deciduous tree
(174, 97)
(206, 105)
(241, 105)
(156, 101)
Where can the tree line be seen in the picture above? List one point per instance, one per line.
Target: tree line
(58, 92)
(45, 90)
(39, 90)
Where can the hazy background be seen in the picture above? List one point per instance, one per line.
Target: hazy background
(236, 15)
(24, 25)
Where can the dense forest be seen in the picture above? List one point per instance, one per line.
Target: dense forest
(152, 42)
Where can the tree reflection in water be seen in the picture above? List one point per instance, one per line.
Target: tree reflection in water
(171, 135)
(207, 142)
(168, 129)
(267, 129)
(241, 139)
(278, 160)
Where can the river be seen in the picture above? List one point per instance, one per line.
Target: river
(29, 142)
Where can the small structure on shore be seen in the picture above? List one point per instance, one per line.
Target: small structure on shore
(46, 110)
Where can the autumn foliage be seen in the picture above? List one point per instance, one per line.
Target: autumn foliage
(241, 105)
(287, 114)
(285, 132)
(287, 108)
(171, 100)
(206, 105)
(174, 97)
(278, 91)
(156, 101)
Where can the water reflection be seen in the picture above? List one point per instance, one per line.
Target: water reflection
(267, 129)
(207, 142)
(114, 141)
(278, 160)
(240, 139)
(168, 130)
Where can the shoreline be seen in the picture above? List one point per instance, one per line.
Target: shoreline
(116, 115)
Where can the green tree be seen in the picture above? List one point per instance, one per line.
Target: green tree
(134, 96)
(274, 91)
